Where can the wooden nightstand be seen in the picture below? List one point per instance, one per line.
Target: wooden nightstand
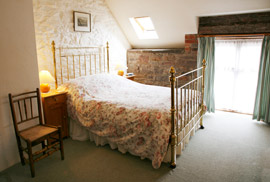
(55, 110)
(130, 77)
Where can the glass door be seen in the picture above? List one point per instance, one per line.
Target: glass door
(236, 73)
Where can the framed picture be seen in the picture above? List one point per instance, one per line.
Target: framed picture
(82, 21)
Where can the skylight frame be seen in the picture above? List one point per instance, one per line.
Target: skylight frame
(144, 27)
(145, 21)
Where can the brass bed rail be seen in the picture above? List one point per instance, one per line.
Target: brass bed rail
(81, 61)
(186, 107)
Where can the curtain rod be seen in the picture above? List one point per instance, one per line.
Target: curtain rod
(235, 35)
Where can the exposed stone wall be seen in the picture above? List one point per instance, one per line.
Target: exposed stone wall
(250, 23)
(54, 21)
(151, 66)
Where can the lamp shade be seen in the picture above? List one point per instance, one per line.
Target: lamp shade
(45, 77)
(120, 67)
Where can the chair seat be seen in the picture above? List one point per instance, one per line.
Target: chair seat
(37, 132)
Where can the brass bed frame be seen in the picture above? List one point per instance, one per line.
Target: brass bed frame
(184, 117)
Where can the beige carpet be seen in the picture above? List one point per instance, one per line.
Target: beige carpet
(232, 147)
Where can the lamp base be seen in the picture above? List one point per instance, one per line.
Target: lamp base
(120, 72)
(44, 87)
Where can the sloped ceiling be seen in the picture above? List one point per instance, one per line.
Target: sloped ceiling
(175, 18)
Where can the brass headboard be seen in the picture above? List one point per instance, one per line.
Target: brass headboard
(79, 61)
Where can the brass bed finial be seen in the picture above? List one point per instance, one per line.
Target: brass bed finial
(204, 63)
(172, 70)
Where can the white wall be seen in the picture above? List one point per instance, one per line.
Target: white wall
(18, 68)
(54, 21)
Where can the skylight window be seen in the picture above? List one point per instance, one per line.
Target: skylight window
(144, 27)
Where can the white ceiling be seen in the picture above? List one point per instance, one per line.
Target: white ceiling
(175, 18)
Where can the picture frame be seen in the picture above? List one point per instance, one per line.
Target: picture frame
(82, 21)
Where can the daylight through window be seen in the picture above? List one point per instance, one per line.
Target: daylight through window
(144, 27)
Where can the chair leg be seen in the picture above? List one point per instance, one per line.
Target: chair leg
(61, 143)
(31, 161)
(20, 150)
(43, 146)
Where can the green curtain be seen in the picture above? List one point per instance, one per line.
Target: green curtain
(206, 50)
(262, 101)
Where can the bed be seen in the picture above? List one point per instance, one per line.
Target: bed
(147, 121)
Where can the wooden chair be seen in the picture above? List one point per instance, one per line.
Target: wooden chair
(28, 125)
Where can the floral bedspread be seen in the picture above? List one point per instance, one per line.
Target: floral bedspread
(132, 115)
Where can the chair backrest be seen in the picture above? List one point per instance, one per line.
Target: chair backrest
(25, 109)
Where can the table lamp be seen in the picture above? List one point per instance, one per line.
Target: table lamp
(45, 78)
(119, 68)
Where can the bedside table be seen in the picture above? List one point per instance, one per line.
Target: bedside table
(55, 110)
(130, 77)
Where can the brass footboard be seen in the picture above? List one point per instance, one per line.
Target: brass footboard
(186, 107)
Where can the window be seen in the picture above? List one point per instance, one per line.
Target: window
(144, 27)
(236, 73)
